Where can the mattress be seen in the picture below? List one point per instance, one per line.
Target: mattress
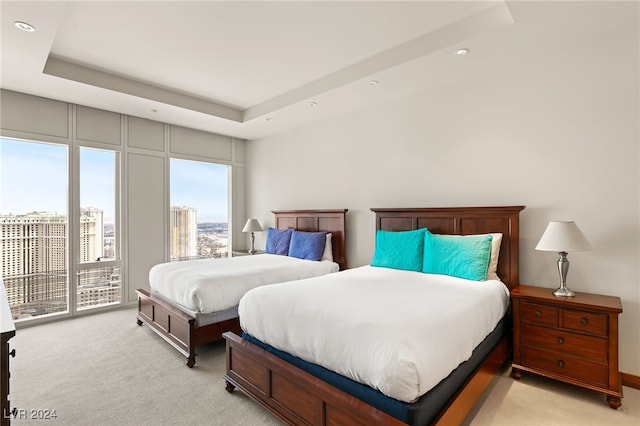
(428, 407)
(204, 286)
(399, 332)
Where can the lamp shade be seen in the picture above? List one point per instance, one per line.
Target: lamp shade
(563, 236)
(252, 225)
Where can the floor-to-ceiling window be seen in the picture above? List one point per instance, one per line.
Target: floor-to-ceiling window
(199, 216)
(42, 239)
(34, 227)
(99, 275)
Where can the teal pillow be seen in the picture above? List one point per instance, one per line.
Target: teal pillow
(459, 256)
(399, 249)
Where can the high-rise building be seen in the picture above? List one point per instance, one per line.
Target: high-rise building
(34, 263)
(91, 234)
(184, 232)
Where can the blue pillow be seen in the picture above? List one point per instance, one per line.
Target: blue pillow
(399, 249)
(459, 256)
(278, 241)
(307, 245)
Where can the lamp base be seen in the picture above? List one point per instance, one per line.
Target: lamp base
(563, 292)
(252, 250)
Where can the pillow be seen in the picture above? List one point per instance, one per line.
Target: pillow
(307, 245)
(278, 241)
(492, 270)
(459, 256)
(399, 249)
(328, 249)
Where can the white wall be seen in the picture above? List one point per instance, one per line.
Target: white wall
(559, 134)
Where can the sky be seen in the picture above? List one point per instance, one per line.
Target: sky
(33, 177)
(203, 186)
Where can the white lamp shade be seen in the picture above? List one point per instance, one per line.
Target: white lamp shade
(563, 236)
(252, 225)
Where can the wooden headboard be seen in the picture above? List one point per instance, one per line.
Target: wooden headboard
(317, 221)
(464, 221)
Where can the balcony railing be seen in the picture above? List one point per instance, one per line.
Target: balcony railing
(40, 294)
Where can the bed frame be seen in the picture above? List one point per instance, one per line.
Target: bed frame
(297, 397)
(179, 328)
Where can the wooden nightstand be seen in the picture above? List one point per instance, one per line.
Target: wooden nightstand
(244, 253)
(574, 339)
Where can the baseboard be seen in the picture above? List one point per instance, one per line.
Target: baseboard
(630, 380)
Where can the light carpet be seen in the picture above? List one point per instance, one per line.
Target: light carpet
(104, 369)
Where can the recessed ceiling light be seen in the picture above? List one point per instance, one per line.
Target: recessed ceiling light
(269, 118)
(462, 51)
(373, 82)
(313, 104)
(24, 26)
(154, 110)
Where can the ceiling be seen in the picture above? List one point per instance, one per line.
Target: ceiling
(254, 69)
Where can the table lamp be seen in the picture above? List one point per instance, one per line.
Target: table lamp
(252, 226)
(563, 237)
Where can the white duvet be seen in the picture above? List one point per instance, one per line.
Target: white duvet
(400, 332)
(211, 285)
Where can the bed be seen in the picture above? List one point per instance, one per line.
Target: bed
(300, 392)
(184, 327)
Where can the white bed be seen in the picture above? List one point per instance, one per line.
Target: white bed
(378, 326)
(212, 285)
(191, 303)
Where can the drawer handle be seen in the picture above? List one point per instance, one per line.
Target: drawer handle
(560, 363)
(12, 353)
(560, 340)
(584, 321)
(538, 314)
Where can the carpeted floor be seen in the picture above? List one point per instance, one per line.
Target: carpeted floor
(105, 370)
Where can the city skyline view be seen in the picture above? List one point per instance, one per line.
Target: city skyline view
(35, 221)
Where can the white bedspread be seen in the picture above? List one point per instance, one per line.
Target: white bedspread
(211, 285)
(397, 331)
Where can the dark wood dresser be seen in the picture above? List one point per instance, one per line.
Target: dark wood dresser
(574, 339)
(7, 331)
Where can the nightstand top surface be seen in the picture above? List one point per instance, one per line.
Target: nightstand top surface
(545, 295)
(245, 252)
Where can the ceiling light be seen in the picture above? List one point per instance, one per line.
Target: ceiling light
(374, 83)
(313, 104)
(24, 26)
(462, 51)
(269, 118)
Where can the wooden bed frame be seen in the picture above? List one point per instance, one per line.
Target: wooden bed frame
(179, 328)
(297, 397)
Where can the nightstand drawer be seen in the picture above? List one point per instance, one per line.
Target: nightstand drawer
(585, 321)
(576, 368)
(585, 347)
(539, 314)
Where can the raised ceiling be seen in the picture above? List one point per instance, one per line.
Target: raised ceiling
(253, 69)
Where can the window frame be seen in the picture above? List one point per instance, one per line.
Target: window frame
(118, 261)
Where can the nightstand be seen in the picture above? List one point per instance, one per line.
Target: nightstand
(574, 339)
(244, 253)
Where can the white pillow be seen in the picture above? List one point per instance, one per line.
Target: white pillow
(328, 250)
(492, 270)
